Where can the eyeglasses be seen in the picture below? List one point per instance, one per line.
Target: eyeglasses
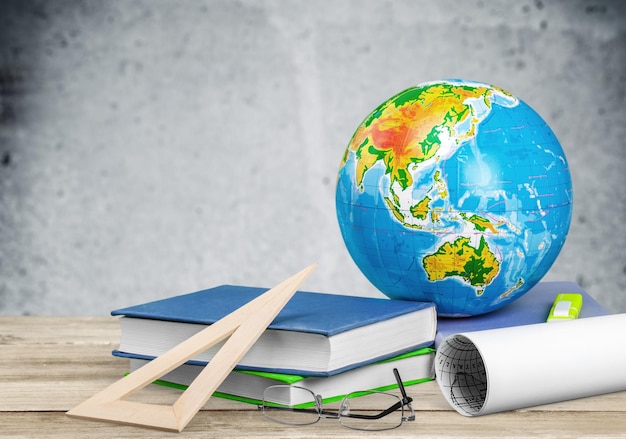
(293, 405)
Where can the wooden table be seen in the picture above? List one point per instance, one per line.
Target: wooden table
(50, 364)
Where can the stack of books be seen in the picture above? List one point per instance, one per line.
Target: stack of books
(330, 344)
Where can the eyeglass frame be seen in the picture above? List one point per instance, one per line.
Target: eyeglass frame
(330, 414)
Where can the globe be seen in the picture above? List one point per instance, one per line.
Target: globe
(454, 192)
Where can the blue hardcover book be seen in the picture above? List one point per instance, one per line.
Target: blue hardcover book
(315, 334)
(533, 307)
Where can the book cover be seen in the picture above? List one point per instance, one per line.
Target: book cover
(315, 333)
(320, 313)
(532, 307)
(248, 386)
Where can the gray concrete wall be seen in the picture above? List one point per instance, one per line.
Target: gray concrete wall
(153, 148)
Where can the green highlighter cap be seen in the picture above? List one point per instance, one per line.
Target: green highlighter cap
(566, 306)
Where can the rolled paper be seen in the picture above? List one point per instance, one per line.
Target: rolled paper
(503, 369)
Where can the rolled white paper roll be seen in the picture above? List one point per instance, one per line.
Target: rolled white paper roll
(504, 369)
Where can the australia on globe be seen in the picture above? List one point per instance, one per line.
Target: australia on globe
(454, 192)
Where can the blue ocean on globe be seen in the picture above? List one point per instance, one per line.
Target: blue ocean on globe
(454, 192)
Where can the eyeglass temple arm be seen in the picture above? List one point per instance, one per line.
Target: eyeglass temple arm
(405, 399)
(382, 414)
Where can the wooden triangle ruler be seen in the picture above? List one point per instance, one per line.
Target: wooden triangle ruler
(244, 326)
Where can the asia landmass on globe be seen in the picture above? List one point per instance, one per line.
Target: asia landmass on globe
(454, 192)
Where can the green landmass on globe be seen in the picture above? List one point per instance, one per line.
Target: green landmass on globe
(476, 265)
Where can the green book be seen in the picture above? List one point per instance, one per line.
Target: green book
(248, 386)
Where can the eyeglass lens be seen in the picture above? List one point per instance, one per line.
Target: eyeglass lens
(291, 405)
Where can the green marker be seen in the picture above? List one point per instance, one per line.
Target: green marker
(566, 306)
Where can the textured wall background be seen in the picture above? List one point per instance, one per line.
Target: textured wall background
(152, 148)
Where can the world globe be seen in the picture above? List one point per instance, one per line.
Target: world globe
(454, 192)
